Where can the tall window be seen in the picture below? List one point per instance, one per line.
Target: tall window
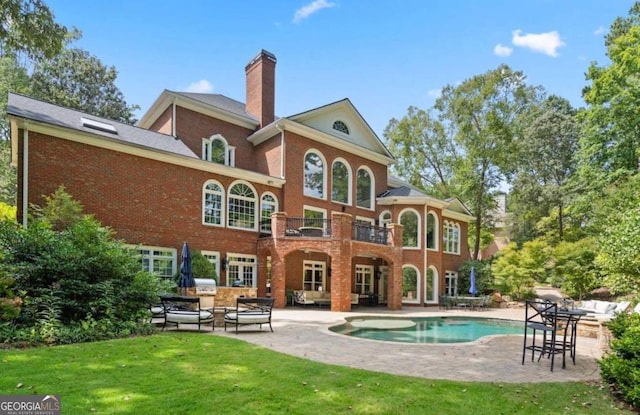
(451, 237)
(341, 126)
(451, 283)
(243, 268)
(214, 258)
(340, 183)
(212, 204)
(314, 276)
(409, 284)
(314, 175)
(268, 206)
(364, 189)
(217, 150)
(432, 231)
(314, 217)
(430, 286)
(385, 218)
(161, 261)
(411, 224)
(364, 279)
(242, 207)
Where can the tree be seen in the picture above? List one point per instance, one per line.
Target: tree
(76, 79)
(28, 27)
(547, 145)
(423, 151)
(480, 116)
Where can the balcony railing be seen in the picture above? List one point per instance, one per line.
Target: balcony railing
(365, 232)
(308, 227)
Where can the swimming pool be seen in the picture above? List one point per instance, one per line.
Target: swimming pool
(426, 329)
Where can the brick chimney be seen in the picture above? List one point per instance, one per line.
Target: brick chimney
(261, 84)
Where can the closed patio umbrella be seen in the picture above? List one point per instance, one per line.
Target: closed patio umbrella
(473, 290)
(186, 284)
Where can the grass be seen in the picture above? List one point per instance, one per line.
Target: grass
(191, 373)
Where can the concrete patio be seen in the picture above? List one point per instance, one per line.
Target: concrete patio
(304, 333)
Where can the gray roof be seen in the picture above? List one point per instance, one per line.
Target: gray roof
(33, 109)
(220, 101)
(402, 191)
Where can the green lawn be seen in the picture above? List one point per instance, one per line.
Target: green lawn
(192, 373)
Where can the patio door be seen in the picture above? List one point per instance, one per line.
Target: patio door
(382, 283)
(244, 268)
(314, 276)
(364, 279)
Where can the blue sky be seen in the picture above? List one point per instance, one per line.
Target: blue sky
(383, 55)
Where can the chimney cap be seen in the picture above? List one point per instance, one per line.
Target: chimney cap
(261, 55)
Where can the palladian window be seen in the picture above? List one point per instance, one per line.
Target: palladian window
(242, 207)
(341, 126)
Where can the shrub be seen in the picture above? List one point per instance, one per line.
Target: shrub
(620, 368)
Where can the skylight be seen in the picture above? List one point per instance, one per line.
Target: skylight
(98, 125)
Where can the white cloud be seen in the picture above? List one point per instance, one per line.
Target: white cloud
(547, 43)
(311, 8)
(501, 50)
(434, 93)
(599, 31)
(202, 86)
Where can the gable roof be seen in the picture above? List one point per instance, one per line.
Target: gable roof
(361, 133)
(36, 110)
(214, 105)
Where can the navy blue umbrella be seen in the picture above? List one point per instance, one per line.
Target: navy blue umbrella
(473, 290)
(186, 274)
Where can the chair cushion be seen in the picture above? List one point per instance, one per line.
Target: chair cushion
(247, 318)
(189, 316)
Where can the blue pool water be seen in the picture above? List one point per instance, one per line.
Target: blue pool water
(426, 329)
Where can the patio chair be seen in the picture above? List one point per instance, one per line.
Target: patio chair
(541, 318)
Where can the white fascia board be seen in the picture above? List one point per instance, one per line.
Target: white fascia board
(412, 200)
(154, 154)
(319, 136)
(167, 98)
(456, 215)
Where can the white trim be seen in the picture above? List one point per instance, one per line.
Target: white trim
(216, 264)
(349, 201)
(324, 173)
(256, 206)
(223, 203)
(315, 266)
(437, 230)
(435, 286)
(276, 207)
(454, 276)
(365, 219)
(418, 285)
(231, 258)
(372, 191)
(162, 102)
(418, 230)
(381, 221)
(314, 209)
(368, 274)
(173, 251)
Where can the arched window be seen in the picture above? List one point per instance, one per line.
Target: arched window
(432, 231)
(410, 221)
(268, 206)
(364, 189)
(341, 126)
(314, 175)
(213, 203)
(451, 237)
(385, 218)
(409, 284)
(217, 150)
(341, 182)
(242, 207)
(431, 286)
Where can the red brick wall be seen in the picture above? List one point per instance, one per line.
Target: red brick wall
(192, 127)
(143, 200)
(163, 123)
(268, 157)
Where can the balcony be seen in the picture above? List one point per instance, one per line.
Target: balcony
(308, 227)
(365, 232)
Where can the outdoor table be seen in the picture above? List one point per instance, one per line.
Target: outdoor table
(571, 317)
(470, 302)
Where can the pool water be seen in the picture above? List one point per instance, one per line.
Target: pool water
(426, 329)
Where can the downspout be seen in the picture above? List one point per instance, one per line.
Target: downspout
(282, 152)
(173, 117)
(25, 175)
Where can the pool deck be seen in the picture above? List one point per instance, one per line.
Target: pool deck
(304, 333)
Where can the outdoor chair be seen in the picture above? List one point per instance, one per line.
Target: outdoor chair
(541, 320)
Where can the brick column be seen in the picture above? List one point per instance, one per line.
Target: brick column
(340, 262)
(394, 294)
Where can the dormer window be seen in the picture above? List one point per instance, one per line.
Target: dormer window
(217, 150)
(341, 126)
